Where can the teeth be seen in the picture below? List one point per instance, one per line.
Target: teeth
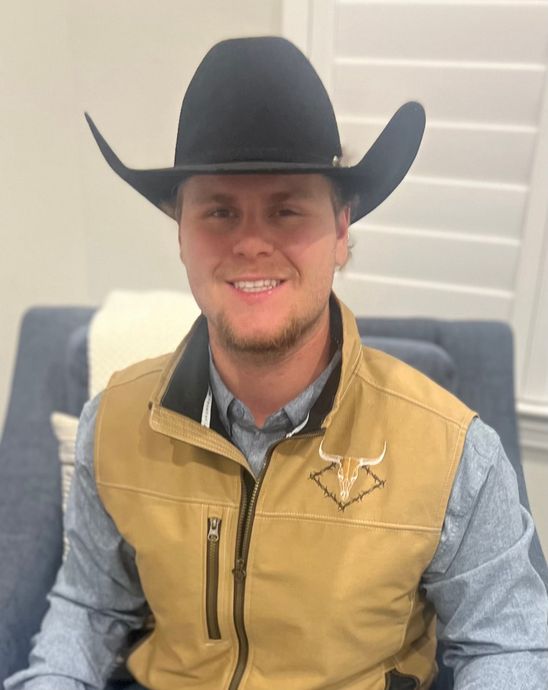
(256, 285)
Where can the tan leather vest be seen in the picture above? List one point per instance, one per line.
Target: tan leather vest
(308, 578)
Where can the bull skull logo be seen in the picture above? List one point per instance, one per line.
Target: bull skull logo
(348, 468)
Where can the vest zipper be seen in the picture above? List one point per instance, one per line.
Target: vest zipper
(243, 539)
(244, 525)
(212, 577)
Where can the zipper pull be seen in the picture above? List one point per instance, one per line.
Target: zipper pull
(213, 531)
(239, 571)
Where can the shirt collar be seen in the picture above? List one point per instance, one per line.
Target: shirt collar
(296, 410)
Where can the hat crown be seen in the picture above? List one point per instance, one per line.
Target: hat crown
(256, 99)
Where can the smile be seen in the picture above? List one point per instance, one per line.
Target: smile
(256, 285)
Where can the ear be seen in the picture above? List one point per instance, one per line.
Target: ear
(342, 227)
(343, 221)
(180, 240)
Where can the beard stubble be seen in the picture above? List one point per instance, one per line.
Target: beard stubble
(268, 348)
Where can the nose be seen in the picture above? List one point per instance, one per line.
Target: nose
(252, 238)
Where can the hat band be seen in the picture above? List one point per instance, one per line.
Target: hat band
(262, 155)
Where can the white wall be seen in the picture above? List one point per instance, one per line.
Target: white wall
(70, 229)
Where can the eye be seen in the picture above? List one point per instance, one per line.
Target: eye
(221, 212)
(286, 212)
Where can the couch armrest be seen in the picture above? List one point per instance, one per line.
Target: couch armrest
(30, 493)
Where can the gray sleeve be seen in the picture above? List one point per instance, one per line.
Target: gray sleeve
(491, 603)
(97, 597)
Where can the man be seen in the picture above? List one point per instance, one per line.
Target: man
(292, 508)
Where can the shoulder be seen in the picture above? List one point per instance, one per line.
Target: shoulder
(483, 442)
(393, 379)
(484, 462)
(147, 368)
(129, 391)
(484, 506)
(85, 434)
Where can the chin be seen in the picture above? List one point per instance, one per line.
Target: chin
(269, 341)
(258, 342)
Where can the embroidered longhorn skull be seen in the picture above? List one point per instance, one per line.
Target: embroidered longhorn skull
(349, 467)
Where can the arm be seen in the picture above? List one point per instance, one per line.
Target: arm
(491, 604)
(97, 598)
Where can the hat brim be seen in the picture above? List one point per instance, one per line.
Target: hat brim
(372, 180)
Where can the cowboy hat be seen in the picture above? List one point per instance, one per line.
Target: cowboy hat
(256, 105)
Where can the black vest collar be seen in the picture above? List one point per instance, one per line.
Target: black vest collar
(189, 384)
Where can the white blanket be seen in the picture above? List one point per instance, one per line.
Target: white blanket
(132, 326)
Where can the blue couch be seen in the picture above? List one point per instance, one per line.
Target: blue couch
(472, 359)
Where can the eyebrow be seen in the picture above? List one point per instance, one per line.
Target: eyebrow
(206, 198)
(293, 194)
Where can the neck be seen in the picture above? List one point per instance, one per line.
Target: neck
(281, 378)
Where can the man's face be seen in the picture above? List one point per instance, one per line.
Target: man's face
(260, 252)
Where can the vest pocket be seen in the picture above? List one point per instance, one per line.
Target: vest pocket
(212, 577)
(399, 681)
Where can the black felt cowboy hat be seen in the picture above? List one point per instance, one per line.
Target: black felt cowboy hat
(256, 105)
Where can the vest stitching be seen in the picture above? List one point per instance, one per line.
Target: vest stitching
(313, 517)
(412, 603)
(401, 396)
(175, 427)
(450, 475)
(97, 435)
(149, 372)
(165, 497)
(353, 370)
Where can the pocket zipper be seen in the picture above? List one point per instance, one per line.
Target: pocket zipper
(212, 577)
